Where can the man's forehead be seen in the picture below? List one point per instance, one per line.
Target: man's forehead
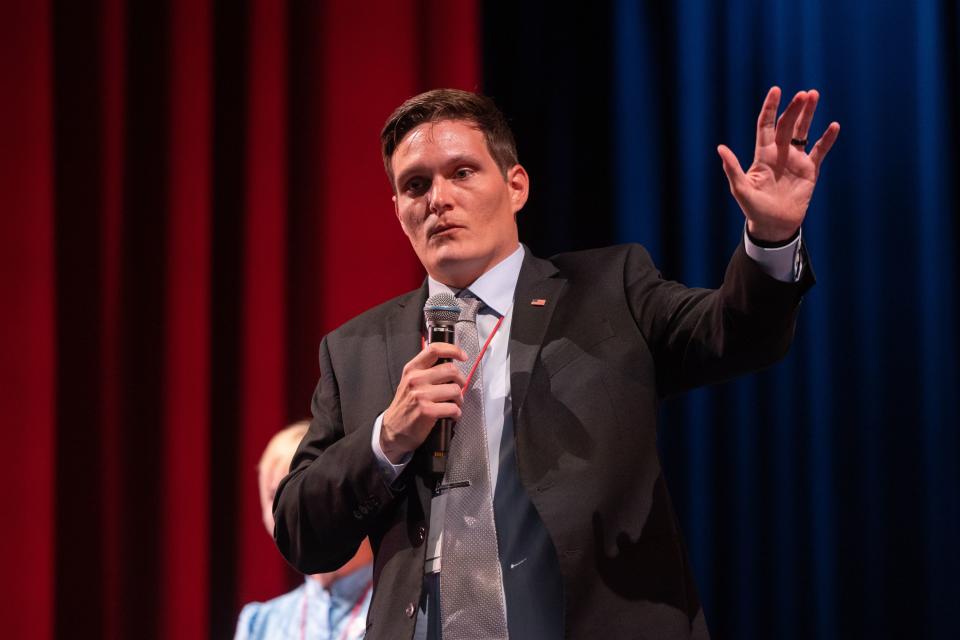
(446, 131)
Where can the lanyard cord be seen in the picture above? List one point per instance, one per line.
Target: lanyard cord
(476, 363)
(353, 613)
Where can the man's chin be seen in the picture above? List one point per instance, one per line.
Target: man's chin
(451, 264)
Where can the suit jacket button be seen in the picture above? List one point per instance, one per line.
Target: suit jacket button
(410, 610)
(421, 533)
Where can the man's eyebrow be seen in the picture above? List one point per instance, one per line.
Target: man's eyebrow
(463, 158)
(409, 171)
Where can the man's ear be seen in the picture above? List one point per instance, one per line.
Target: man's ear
(518, 182)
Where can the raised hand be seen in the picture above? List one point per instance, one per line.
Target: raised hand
(775, 191)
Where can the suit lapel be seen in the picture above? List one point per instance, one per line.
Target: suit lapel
(403, 333)
(538, 283)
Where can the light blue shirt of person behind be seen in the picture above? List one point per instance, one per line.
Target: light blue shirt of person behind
(311, 612)
(326, 606)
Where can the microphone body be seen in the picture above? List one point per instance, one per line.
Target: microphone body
(440, 313)
(439, 438)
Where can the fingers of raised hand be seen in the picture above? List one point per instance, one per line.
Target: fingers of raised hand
(820, 150)
(802, 127)
(766, 122)
(788, 119)
(731, 167)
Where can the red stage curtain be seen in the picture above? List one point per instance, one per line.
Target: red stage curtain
(27, 348)
(192, 196)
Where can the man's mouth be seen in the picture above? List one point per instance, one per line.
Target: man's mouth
(443, 229)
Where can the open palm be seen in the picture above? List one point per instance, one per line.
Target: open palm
(775, 191)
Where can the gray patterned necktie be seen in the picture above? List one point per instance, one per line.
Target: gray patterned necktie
(472, 601)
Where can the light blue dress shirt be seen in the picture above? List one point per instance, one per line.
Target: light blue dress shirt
(312, 612)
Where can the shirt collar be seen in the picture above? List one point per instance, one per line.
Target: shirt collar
(495, 287)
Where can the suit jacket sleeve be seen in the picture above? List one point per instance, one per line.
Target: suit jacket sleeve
(701, 336)
(335, 492)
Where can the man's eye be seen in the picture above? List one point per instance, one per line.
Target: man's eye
(416, 186)
(463, 173)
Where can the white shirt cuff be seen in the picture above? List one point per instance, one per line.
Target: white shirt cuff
(781, 263)
(390, 470)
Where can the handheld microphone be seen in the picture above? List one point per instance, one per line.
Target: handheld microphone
(440, 313)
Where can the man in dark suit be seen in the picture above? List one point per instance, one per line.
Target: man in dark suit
(580, 349)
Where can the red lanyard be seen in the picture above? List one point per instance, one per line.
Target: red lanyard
(353, 614)
(476, 363)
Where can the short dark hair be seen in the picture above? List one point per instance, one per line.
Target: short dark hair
(451, 104)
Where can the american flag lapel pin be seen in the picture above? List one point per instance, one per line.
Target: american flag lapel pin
(538, 302)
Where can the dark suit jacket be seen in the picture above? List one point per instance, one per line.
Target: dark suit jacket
(587, 371)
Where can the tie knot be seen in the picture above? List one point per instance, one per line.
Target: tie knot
(469, 305)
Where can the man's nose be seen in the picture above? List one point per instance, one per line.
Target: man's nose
(439, 195)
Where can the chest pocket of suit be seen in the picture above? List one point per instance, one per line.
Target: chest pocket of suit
(560, 352)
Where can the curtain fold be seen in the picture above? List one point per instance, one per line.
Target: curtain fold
(28, 355)
(110, 79)
(262, 320)
(186, 442)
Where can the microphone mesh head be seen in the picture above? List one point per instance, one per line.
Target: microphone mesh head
(441, 308)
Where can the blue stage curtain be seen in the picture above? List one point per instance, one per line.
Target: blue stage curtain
(820, 498)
